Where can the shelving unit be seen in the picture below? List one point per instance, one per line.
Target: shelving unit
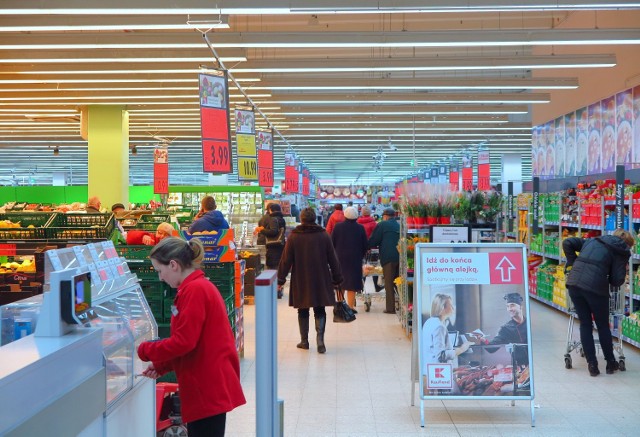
(590, 216)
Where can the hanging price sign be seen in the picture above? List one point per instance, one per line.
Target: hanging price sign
(246, 144)
(216, 155)
(265, 177)
(467, 172)
(161, 170)
(247, 169)
(214, 121)
(484, 171)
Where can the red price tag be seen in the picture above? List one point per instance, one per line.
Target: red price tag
(161, 178)
(216, 156)
(265, 177)
(7, 249)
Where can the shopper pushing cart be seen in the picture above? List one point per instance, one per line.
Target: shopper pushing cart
(602, 262)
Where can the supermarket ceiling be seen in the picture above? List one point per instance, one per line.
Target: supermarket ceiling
(341, 81)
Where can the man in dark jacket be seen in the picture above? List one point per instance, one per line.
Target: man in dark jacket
(315, 271)
(386, 236)
(514, 331)
(208, 219)
(603, 261)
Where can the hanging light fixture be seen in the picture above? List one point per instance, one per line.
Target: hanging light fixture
(56, 151)
(134, 150)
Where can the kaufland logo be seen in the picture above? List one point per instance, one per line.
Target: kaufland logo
(439, 376)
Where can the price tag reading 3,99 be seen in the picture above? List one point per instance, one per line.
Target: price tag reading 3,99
(265, 177)
(248, 168)
(216, 156)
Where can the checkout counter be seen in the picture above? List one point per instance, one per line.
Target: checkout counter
(78, 374)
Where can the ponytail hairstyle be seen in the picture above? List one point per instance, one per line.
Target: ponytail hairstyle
(186, 253)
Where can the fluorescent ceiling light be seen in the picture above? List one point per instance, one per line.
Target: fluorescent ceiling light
(430, 64)
(119, 10)
(420, 84)
(432, 99)
(117, 60)
(102, 27)
(191, 97)
(103, 71)
(416, 112)
(444, 38)
(328, 124)
(106, 80)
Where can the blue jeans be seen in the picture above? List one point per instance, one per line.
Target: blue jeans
(586, 305)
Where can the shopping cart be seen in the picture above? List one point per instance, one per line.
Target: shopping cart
(372, 273)
(616, 314)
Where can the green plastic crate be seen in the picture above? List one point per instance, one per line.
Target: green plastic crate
(134, 252)
(144, 270)
(81, 226)
(154, 218)
(39, 221)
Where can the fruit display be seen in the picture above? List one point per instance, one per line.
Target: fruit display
(26, 266)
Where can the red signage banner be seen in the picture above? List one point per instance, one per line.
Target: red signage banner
(7, 249)
(454, 175)
(484, 171)
(467, 172)
(291, 177)
(264, 142)
(214, 122)
(161, 170)
(305, 181)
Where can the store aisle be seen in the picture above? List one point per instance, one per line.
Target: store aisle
(361, 387)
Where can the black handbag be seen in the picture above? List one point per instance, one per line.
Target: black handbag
(278, 240)
(342, 313)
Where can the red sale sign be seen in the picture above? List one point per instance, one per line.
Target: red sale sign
(161, 170)
(484, 171)
(214, 122)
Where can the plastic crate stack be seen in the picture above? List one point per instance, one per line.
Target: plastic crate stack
(80, 227)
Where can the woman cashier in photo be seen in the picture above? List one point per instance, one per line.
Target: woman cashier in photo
(140, 237)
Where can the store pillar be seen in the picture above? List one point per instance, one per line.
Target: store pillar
(108, 157)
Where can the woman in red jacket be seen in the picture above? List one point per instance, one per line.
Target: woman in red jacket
(201, 348)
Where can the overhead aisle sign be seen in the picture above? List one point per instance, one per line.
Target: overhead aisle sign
(473, 325)
(214, 121)
(246, 145)
(291, 178)
(265, 158)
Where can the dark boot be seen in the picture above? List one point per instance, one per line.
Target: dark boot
(303, 323)
(593, 368)
(321, 323)
(612, 366)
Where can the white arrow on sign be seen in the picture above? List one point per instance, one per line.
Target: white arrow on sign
(505, 266)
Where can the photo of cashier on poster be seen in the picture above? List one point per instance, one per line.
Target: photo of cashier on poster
(478, 332)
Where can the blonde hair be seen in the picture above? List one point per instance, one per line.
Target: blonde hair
(625, 236)
(438, 303)
(186, 253)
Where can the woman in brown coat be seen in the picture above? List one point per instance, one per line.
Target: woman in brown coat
(315, 272)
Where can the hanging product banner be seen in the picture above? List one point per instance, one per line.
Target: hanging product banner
(246, 145)
(467, 172)
(214, 122)
(582, 126)
(454, 174)
(305, 181)
(473, 322)
(161, 170)
(608, 134)
(619, 202)
(510, 204)
(624, 131)
(636, 127)
(442, 173)
(570, 151)
(291, 181)
(550, 155)
(265, 158)
(484, 170)
(559, 147)
(535, 205)
(595, 138)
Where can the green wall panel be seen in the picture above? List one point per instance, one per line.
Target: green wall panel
(76, 193)
(142, 194)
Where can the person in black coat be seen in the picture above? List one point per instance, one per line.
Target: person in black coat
(351, 244)
(270, 230)
(315, 272)
(603, 261)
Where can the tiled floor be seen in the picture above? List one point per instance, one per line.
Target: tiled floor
(361, 387)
